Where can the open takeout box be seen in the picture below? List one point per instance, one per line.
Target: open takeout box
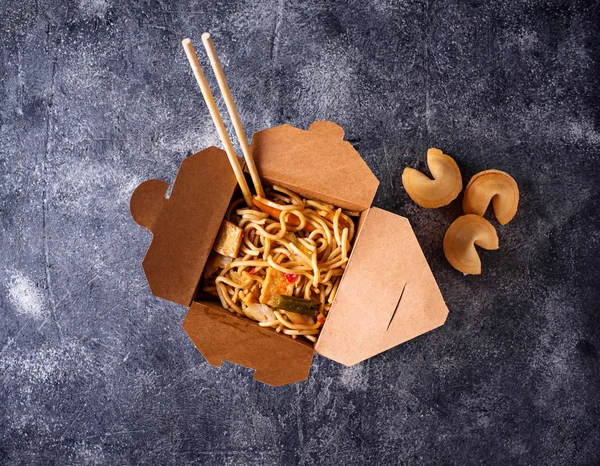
(386, 296)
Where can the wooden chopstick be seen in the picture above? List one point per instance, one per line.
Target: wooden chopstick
(217, 120)
(233, 113)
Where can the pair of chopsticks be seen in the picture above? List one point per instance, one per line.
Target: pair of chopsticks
(216, 116)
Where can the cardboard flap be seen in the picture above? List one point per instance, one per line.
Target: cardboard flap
(222, 336)
(388, 294)
(316, 163)
(185, 225)
(147, 202)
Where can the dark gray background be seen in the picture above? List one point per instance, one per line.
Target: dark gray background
(97, 96)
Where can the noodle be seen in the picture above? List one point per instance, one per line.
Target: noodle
(308, 241)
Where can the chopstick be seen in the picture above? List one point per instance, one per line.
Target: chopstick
(233, 113)
(217, 120)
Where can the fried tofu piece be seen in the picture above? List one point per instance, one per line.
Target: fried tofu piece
(229, 239)
(274, 285)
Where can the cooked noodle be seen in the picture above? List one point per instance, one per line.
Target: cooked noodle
(313, 250)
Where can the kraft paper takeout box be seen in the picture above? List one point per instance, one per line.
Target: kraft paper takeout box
(387, 294)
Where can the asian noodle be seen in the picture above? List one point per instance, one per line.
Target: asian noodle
(310, 244)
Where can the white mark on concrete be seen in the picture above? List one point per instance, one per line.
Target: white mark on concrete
(38, 374)
(527, 40)
(86, 185)
(25, 296)
(32, 369)
(127, 188)
(91, 8)
(354, 377)
(583, 131)
(194, 140)
(327, 82)
(89, 454)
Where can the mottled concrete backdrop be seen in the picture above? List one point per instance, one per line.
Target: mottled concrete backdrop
(97, 96)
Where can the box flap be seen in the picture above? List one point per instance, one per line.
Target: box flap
(185, 225)
(316, 163)
(387, 296)
(222, 336)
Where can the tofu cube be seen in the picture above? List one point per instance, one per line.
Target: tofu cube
(229, 239)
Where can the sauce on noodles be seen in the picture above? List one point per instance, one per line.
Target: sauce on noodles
(301, 249)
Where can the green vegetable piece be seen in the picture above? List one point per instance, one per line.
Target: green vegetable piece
(294, 304)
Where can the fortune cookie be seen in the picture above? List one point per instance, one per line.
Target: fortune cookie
(461, 238)
(496, 186)
(439, 191)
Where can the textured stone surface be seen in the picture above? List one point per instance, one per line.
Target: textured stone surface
(97, 96)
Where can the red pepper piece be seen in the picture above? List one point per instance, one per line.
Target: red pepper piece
(291, 277)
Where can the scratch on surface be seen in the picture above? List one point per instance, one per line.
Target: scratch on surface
(110, 434)
(387, 163)
(96, 277)
(162, 28)
(299, 421)
(45, 191)
(275, 44)
(62, 437)
(177, 380)
(427, 109)
(7, 344)
(58, 303)
(443, 86)
(20, 83)
(274, 59)
(11, 340)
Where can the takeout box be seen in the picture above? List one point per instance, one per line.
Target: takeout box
(387, 294)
